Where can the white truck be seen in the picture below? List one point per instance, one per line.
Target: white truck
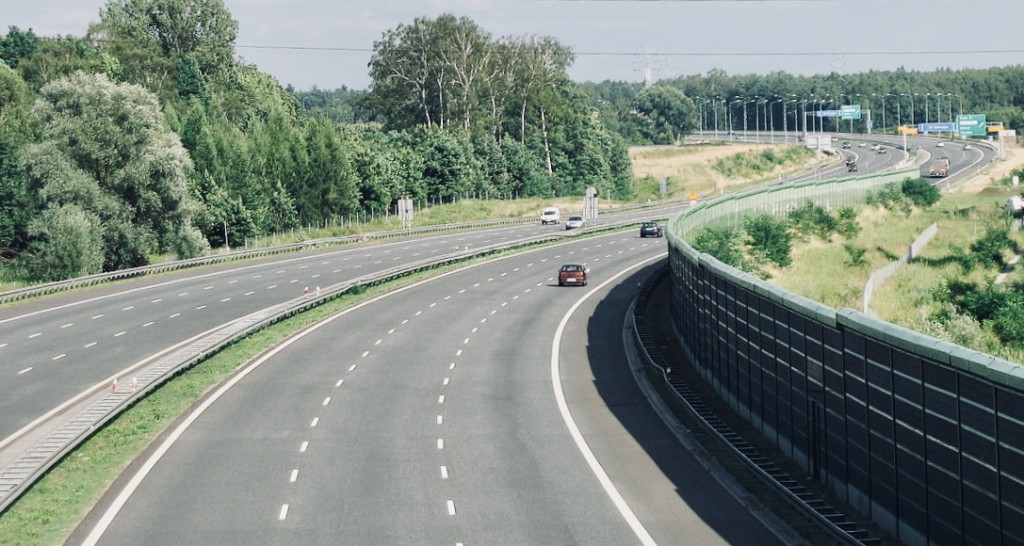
(550, 215)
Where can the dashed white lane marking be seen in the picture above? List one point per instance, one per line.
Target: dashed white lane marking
(458, 353)
(225, 300)
(418, 313)
(35, 335)
(339, 383)
(181, 294)
(314, 422)
(451, 366)
(444, 472)
(150, 323)
(378, 342)
(326, 401)
(249, 293)
(60, 356)
(446, 381)
(271, 287)
(352, 367)
(433, 304)
(406, 321)
(68, 325)
(121, 333)
(465, 341)
(446, 298)
(129, 308)
(440, 419)
(92, 344)
(284, 512)
(158, 300)
(483, 320)
(440, 443)
(451, 507)
(175, 315)
(294, 476)
(474, 330)
(208, 288)
(201, 307)
(232, 281)
(391, 331)
(440, 399)
(2, 345)
(303, 447)
(26, 370)
(365, 354)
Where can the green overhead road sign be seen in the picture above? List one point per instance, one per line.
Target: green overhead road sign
(971, 125)
(849, 111)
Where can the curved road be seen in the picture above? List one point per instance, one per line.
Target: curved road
(432, 416)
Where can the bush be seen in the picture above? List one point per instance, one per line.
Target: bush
(769, 239)
(725, 244)
(990, 248)
(921, 192)
(812, 219)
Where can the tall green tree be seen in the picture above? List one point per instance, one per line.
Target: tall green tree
(106, 149)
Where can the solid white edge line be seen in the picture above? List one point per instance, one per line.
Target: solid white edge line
(581, 443)
(122, 498)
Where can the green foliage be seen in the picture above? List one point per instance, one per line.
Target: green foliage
(17, 45)
(990, 248)
(769, 239)
(813, 219)
(846, 223)
(755, 163)
(856, 254)
(666, 112)
(921, 192)
(725, 244)
(891, 197)
(67, 242)
(107, 150)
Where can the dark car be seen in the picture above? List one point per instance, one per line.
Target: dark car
(651, 229)
(572, 274)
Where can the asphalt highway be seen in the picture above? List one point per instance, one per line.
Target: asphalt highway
(443, 413)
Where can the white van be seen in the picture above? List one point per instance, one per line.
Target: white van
(550, 215)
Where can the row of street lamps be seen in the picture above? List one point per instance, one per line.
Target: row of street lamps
(708, 109)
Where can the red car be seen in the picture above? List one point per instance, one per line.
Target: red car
(572, 274)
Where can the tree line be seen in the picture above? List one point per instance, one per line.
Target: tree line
(148, 136)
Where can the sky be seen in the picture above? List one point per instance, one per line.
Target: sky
(327, 43)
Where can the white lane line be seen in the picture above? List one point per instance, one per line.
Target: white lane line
(483, 320)
(446, 298)
(249, 293)
(433, 304)
(303, 447)
(326, 401)
(271, 287)
(314, 422)
(232, 281)
(444, 472)
(366, 354)
(406, 321)
(121, 333)
(418, 313)
(68, 325)
(339, 383)
(182, 294)
(201, 307)
(465, 341)
(294, 476)
(440, 399)
(158, 300)
(60, 356)
(451, 507)
(208, 288)
(88, 345)
(391, 331)
(563, 408)
(446, 381)
(440, 419)
(352, 367)
(150, 323)
(2, 345)
(284, 512)
(129, 308)
(225, 300)
(37, 334)
(378, 342)
(474, 330)
(458, 353)
(175, 315)
(440, 443)
(26, 370)
(451, 366)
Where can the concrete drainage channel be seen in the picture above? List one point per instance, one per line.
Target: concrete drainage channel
(819, 510)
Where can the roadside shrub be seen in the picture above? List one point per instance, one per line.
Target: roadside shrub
(856, 255)
(921, 192)
(812, 219)
(990, 247)
(769, 239)
(725, 244)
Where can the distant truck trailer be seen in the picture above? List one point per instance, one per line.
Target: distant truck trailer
(938, 168)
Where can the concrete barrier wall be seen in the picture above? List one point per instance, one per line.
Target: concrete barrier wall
(924, 437)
